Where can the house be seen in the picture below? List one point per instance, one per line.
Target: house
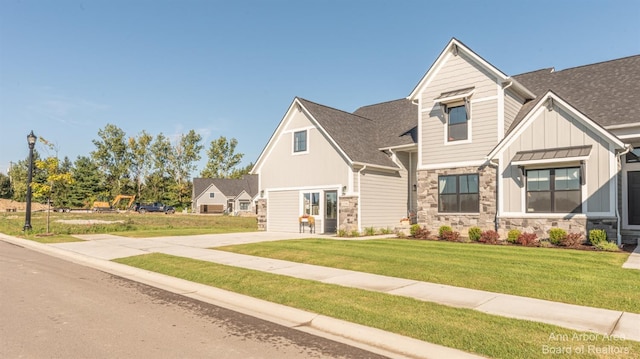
(225, 195)
(469, 146)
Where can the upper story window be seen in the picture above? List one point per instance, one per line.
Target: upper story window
(457, 123)
(554, 190)
(300, 141)
(456, 108)
(212, 194)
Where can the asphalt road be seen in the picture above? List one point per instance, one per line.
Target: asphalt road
(50, 308)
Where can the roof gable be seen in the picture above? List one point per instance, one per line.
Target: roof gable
(230, 187)
(530, 117)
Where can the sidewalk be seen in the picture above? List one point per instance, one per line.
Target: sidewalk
(101, 248)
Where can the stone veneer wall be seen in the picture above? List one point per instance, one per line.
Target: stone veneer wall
(262, 214)
(428, 200)
(348, 213)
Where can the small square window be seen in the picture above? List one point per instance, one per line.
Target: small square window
(212, 194)
(300, 141)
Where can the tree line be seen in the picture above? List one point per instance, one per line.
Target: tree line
(155, 169)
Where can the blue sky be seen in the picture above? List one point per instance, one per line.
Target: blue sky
(232, 68)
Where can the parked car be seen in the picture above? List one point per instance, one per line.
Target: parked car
(153, 207)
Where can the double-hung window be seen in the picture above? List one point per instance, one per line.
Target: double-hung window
(458, 193)
(457, 123)
(300, 141)
(554, 190)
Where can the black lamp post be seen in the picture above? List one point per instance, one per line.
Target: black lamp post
(31, 139)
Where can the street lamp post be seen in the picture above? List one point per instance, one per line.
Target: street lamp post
(31, 139)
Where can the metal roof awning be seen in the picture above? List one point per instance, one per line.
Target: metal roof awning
(454, 95)
(550, 155)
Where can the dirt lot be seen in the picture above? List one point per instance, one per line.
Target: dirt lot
(7, 205)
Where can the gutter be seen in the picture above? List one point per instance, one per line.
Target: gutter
(618, 219)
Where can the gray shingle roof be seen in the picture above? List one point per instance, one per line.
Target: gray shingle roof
(230, 187)
(607, 92)
(357, 136)
(396, 122)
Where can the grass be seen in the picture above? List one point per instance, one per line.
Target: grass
(123, 224)
(464, 329)
(588, 278)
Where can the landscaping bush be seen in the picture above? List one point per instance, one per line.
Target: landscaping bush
(607, 246)
(528, 239)
(572, 240)
(442, 230)
(557, 236)
(597, 236)
(512, 236)
(490, 236)
(475, 233)
(414, 229)
(451, 236)
(342, 233)
(421, 232)
(386, 230)
(355, 233)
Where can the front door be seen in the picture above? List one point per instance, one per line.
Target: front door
(330, 211)
(633, 191)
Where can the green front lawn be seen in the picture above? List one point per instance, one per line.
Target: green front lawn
(589, 278)
(464, 329)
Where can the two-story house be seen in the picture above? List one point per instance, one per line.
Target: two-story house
(469, 146)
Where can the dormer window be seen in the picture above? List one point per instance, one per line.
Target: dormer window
(456, 108)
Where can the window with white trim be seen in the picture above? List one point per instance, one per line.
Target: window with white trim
(457, 123)
(300, 141)
(311, 203)
(244, 205)
(554, 190)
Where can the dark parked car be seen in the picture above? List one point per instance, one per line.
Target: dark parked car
(153, 207)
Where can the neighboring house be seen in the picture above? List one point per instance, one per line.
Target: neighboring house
(470, 146)
(225, 195)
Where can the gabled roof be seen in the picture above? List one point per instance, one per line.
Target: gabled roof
(230, 187)
(529, 117)
(606, 92)
(396, 122)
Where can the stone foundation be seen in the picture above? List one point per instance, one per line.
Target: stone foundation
(348, 213)
(541, 226)
(261, 207)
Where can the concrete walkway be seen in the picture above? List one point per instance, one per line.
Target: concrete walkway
(103, 248)
(633, 262)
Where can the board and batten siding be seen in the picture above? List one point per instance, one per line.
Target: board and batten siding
(459, 72)
(383, 198)
(282, 211)
(321, 166)
(554, 129)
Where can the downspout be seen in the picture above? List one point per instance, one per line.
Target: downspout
(360, 198)
(496, 219)
(618, 219)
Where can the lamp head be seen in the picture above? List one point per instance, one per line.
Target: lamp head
(31, 138)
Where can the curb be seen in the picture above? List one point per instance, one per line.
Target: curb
(367, 338)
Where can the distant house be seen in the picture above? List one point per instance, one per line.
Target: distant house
(469, 146)
(225, 195)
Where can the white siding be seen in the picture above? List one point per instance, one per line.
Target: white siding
(282, 211)
(383, 199)
(552, 129)
(205, 198)
(322, 165)
(457, 73)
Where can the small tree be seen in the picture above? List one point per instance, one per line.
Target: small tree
(54, 178)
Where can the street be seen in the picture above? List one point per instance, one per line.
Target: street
(56, 309)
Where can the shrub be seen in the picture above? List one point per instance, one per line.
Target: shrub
(512, 236)
(443, 229)
(342, 233)
(490, 237)
(597, 236)
(355, 233)
(369, 231)
(572, 240)
(451, 236)
(528, 239)
(607, 246)
(415, 228)
(475, 233)
(386, 230)
(421, 232)
(557, 236)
